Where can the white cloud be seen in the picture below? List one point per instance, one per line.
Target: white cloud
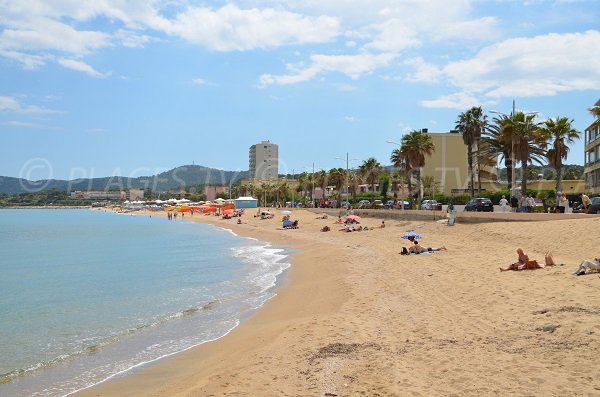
(424, 72)
(80, 66)
(10, 104)
(233, 29)
(199, 81)
(131, 39)
(350, 119)
(538, 66)
(29, 61)
(46, 34)
(25, 124)
(353, 66)
(460, 101)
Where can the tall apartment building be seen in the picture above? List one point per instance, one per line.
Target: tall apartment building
(591, 170)
(264, 160)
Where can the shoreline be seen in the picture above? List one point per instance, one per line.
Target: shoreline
(355, 317)
(150, 379)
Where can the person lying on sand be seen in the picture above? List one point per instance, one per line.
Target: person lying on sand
(351, 228)
(418, 248)
(588, 265)
(325, 229)
(524, 262)
(339, 220)
(324, 216)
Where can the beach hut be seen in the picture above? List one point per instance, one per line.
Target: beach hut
(245, 202)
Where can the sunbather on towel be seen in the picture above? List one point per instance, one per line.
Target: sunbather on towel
(418, 248)
(588, 265)
(524, 262)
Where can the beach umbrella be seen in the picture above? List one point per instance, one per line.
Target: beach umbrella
(410, 234)
(286, 212)
(353, 218)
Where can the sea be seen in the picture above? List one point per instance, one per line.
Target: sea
(89, 295)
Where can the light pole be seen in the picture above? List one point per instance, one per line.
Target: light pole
(347, 171)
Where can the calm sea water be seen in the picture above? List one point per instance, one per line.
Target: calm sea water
(89, 295)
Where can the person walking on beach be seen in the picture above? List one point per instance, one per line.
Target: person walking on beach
(530, 203)
(514, 203)
(524, 204)
(503, 204)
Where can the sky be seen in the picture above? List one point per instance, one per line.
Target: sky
(114, 87)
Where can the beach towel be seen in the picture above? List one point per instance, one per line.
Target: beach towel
(422, 253)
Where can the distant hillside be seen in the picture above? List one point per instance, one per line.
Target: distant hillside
(187, 175)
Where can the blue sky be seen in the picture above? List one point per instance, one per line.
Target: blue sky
(114, 87)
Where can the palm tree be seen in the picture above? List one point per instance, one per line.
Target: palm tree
(321, 180)
(304, 181)
(497, 142)
(560, 133)
(400, 161)
(527, 142)
(595, 111)
(471, 124)
(282, 190)
(337, 176)
(353, 179)
(415, 146)
(430, 185)
(370, 169)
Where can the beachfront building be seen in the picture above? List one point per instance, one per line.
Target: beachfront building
(263, 161)
(448, 165)
(591, 171)
(211, 191)
(132, 194)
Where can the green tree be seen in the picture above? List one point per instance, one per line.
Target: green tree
(527, 142)
(471, 124)
(401, 162)
(573, 172)
(337, 176)
(384, 184)
(321, 180)
(416, 145)
(430, 186)
(497, 141)
(595, 110)
(559, 133)
(370, 169)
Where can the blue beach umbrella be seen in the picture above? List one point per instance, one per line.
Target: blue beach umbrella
(411, 234)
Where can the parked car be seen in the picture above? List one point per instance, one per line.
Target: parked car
(378, 203)
(363, 203)
(429, 204)
(480, 204)
(344, 204)
(390, 205)
(594, 208)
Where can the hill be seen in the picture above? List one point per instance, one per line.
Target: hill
(179, 177)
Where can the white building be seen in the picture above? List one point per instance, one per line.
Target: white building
(264, 159)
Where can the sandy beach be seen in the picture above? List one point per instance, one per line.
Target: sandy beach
(356, 318)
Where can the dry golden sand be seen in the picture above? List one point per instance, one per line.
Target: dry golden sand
(357, 318)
